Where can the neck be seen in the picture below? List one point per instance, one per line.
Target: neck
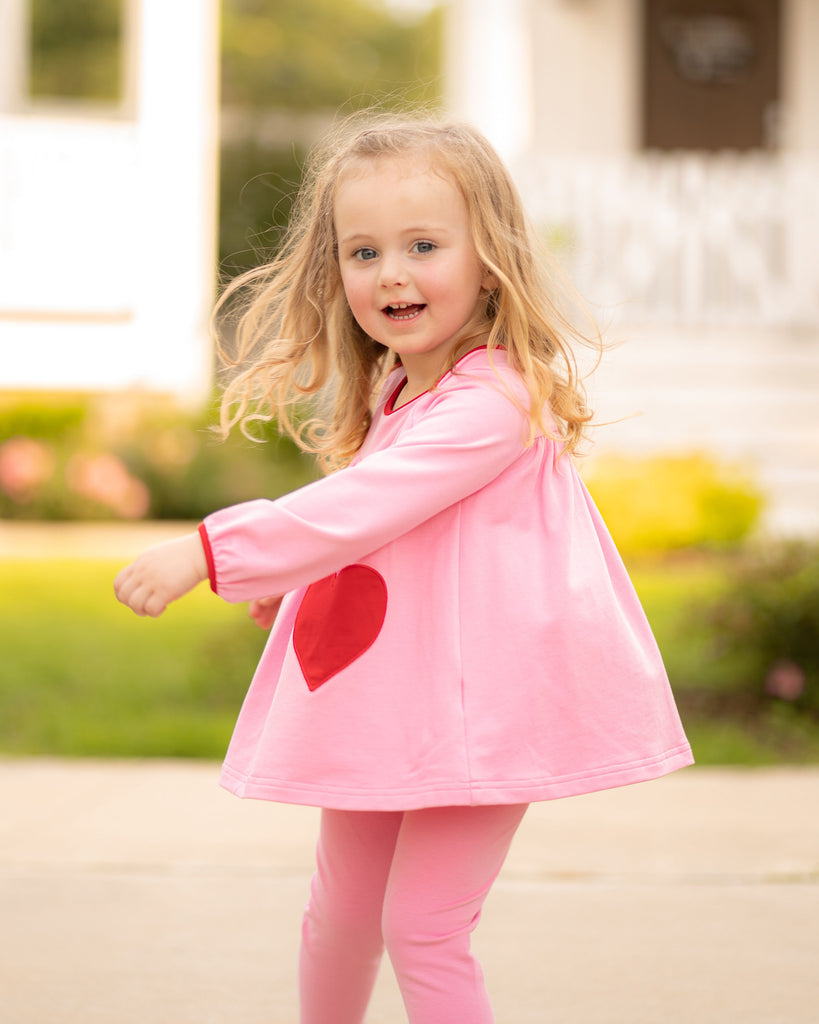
(423, 374)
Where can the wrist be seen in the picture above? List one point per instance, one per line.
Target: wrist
(200, 562)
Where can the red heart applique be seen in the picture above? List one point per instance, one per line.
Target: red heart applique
(339, 618)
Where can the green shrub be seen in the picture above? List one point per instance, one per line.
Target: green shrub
(667, 503)
(128, 457)
(767, 623)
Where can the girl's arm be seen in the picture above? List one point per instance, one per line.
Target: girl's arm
(162, 574)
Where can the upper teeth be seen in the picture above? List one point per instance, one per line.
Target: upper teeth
(402, 305)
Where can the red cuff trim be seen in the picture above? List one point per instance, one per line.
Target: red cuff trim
(203, 534)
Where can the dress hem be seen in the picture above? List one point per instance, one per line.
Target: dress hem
(453, 794)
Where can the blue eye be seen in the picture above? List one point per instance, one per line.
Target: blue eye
(422, 248)
(365, 253)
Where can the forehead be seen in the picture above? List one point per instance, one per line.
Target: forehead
(369, 186)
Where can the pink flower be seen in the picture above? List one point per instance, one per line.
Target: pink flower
(25, 465)
(105, 479)
(785, 680)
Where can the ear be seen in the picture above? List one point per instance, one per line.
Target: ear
(489, 282)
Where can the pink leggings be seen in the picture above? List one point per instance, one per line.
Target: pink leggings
(413, 882)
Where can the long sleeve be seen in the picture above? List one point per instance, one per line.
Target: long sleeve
(468, 434)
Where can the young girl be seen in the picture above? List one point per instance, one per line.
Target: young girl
(458, 636)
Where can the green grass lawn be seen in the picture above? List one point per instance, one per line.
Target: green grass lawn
(82, 676)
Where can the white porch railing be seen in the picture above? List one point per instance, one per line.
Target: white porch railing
(686, 239)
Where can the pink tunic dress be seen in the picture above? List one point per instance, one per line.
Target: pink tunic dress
(458, 627)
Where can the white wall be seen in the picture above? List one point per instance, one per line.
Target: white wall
(558, 76)
(587, 75)
(108, 224)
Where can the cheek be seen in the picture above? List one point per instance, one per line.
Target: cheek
(348, 284)
(356, 293)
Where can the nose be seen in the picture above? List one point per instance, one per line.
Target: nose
(392, 271)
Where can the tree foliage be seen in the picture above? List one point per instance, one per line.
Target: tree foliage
(309, 54)
(304, 56)
(294, 54)
(75, 49)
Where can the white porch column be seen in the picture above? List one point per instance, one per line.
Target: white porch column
(177, 123)
(13, 54)
(489, 63)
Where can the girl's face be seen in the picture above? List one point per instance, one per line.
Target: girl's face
(408, 266)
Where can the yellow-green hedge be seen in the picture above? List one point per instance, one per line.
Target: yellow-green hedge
(669, 502)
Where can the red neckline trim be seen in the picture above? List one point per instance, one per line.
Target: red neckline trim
(389, 408)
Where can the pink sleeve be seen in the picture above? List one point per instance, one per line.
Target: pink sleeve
(466, 436)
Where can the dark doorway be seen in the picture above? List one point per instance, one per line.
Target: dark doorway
(711, 74)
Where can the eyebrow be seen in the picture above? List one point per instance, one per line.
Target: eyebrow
(355, 237)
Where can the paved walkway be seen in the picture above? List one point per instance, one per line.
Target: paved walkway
(136, 892)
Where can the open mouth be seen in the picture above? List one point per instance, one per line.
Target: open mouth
(404, 310)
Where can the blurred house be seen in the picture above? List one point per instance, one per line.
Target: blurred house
(669, 152)
(108, 210)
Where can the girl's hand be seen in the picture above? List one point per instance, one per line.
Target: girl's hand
(263, 611)
(161, 575)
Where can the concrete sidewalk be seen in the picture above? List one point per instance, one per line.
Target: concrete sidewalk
(136, 892)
